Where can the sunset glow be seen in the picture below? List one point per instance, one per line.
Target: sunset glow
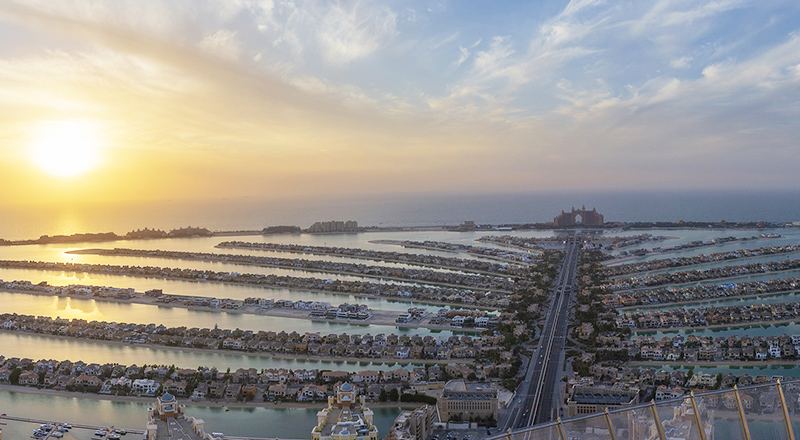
(365, 98)
(65, 148)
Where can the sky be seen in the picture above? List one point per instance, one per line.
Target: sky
(156, 100)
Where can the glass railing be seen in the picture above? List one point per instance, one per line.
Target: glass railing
(768, 411)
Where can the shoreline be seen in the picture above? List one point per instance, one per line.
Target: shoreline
(432, 248)
(384, 317)
(307, 358)
(187, 401)
(705, 281)
(702, 300)
(378, 259)
(111, 253)
(729, 363)
(717, 326)
(410, 301)
(705, 263)
(617, 261)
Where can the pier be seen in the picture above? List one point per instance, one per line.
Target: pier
(96, 427)
(74, 425)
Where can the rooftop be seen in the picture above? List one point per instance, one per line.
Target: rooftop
(602, 398)
(176, 429)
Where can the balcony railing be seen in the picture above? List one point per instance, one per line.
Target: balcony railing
(769, 411)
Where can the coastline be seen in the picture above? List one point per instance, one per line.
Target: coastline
(704, 281)
(379, 317)
(188, 402)
(253, 354)
(613, 263)
(432, 248)
(703, 300)
(410, 301)
(107, 252)
(718, 326)
(379, 259)
(728, 363)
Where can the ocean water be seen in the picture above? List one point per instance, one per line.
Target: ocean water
(287, 423)
(399, 210)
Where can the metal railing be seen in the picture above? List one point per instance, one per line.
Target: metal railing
(769, 411)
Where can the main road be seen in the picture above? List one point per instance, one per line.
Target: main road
(536, 400)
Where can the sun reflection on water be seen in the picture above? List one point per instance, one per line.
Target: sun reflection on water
(70, 308)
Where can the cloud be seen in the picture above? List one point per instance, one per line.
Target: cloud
(353, 32)
(299, 95)
(680, 63)
(464, 52)
(222, 43)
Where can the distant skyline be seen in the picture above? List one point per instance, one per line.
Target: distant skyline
(158, 100)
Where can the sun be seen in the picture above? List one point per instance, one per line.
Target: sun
(66, 148)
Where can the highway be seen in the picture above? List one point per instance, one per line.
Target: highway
(537, 399)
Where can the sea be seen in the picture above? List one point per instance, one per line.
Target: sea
(247, 214)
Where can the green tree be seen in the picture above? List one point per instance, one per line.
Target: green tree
(422, 398)
(382, 396)
(394, 395)
(14, 376)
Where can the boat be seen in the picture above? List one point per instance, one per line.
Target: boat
(121, 431)
(57, 434)
(113, 436)
(101, 432)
